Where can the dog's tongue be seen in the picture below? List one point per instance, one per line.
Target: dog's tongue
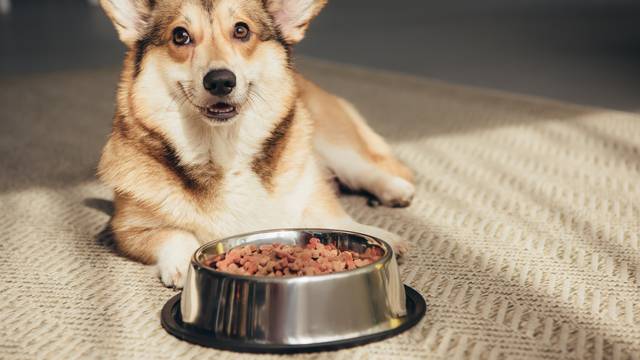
(221, 108)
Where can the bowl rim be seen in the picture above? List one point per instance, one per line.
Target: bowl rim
(388, 256)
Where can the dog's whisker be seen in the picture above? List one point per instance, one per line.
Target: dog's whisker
(178, 98)
(253, 96)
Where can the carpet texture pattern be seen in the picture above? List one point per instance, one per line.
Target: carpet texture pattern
(524, 232)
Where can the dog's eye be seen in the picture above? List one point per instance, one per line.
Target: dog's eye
(181, 36)
(241, 31)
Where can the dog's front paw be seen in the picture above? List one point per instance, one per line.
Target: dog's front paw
(395, 192)
(399, 245)
(174, 256)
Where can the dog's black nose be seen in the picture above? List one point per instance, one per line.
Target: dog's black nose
(219, 82)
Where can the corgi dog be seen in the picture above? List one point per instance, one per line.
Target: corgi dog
(216, 134)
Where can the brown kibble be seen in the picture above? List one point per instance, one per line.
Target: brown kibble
(265, 248)
(361, 262)
(250, 267)
(313, 243)
(291, 260)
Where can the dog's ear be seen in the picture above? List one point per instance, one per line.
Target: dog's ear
(128, 16)
(293, 16)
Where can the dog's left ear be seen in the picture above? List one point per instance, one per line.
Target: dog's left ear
(293, 16)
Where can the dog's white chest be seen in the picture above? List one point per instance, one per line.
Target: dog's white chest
(246, 205)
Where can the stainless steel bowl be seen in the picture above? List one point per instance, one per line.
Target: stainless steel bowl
(258, 313)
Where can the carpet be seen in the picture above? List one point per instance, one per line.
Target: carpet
(524, 231)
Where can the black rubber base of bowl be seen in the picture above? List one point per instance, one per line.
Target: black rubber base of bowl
(171, 321)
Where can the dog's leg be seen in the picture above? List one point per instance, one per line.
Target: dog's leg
(358, 156)
(145, 238)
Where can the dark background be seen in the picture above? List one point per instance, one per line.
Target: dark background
(584, 51)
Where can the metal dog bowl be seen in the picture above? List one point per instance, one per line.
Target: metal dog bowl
(296, 313)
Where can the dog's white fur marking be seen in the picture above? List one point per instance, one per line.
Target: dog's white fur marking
(173, 257)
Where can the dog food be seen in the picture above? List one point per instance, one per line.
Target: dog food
(291, 260)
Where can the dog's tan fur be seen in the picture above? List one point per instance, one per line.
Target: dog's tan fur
(181, 178)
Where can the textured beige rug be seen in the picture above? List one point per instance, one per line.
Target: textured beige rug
(524, 230)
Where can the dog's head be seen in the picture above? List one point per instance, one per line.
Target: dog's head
(211, 59)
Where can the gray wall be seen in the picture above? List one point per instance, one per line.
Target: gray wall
(584, 51)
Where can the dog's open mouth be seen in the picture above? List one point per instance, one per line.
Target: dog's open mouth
(220, 111)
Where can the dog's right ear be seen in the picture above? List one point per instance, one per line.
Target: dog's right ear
(129, 17)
